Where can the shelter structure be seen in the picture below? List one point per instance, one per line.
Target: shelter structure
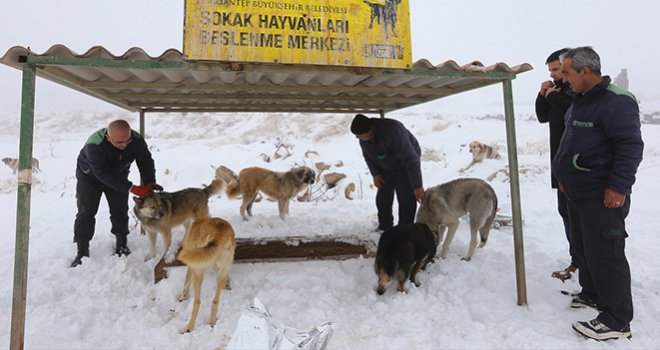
(143, 84)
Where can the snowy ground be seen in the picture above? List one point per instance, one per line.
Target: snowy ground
(112, 303)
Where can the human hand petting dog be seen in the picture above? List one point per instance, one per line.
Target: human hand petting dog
(146, 190)
(154, 187)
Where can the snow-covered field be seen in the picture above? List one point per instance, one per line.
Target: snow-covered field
(112, 303)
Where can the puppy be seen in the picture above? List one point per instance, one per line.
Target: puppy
(445, 204)
(165, 210)
(208, 245)
(402, 251)
(279, 186)
(12, 163)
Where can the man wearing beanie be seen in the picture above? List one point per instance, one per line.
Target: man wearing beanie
(392, 154)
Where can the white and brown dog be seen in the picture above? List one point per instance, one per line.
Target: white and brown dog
(13, 164)
(481, 151)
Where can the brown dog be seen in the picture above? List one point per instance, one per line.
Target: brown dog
(165, 210)
(280, 186)
(209, 244)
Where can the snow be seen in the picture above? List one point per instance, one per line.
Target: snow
(112, 303)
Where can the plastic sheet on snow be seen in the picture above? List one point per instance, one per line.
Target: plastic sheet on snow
(256, 329)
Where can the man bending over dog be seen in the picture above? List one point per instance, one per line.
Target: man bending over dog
(102, 168)
(393, 155)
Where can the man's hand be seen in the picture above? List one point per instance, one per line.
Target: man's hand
(154, 187)
(613, 199)
(551, 90)
(548, 84)
(419, 194)
(378, 181)
(142, 191)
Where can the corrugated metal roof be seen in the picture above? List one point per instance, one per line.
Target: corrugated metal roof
(136, 81)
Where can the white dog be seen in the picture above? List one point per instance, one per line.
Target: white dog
(13, 164)
(445, 204)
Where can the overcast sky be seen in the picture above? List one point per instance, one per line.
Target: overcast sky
(509, 31)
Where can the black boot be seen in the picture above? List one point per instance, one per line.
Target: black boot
(120, 247)
(83, 250)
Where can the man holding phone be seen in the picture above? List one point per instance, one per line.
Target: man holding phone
(552, 101)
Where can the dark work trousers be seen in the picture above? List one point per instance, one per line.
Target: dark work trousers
(562, 208)
(395, 181)
(598, 235)
(88, 198)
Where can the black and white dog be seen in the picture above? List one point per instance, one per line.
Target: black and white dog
(402, 251)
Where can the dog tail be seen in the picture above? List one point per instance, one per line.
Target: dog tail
(215, 187)
(233, 189)
(208, 253)
(485, 230)
(200, 257)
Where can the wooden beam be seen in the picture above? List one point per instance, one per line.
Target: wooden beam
(287, 249)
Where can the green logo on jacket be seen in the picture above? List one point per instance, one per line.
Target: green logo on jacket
(580, 124)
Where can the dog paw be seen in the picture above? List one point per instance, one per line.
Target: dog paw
(149, 257)
(182, 297)
(185, 330)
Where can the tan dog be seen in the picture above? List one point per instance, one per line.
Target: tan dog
(13, 164)
(209, 244)
(165, 210)
(481, 151)
(280, 186)
(445, 204)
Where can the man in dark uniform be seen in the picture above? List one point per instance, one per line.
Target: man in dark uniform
(393, 156)
(102, 168)
(552, 101)
(596, 163)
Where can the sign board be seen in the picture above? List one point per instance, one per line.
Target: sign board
(360, 33)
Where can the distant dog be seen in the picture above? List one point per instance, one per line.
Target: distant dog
(209, 244)
(386, 12)
(13, 164)
(280, 186)
(445, 204)
(481, 151)
(164, 210)
(403, 250)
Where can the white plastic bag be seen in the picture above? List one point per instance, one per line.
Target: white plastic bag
(256, 329)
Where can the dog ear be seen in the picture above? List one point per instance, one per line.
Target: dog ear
(138, 200)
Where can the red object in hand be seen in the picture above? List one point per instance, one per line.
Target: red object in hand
(154, 186)
(142, 191)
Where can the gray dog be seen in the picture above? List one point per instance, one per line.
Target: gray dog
(445, 204)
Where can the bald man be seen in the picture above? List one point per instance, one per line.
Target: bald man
(102, 168)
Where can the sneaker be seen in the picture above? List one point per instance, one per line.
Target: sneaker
(580, 302)
(594, 329)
